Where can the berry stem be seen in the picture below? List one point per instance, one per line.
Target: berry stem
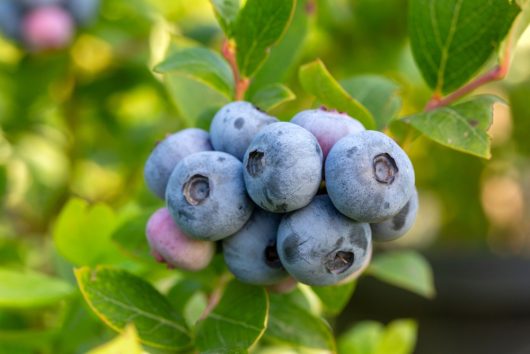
(228, 51)
(216, 295)
(497, 73)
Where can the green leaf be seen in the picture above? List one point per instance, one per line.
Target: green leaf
(295, 326)
(125, 343)
(226, 13)
(237, 322)
(203, 65)
(284, 55)
(28, 289)
(361, 339)
(452, 39)
(130, 236)
(398, 338)
(259, 26)
(82, 234)
(405, 269)
(462, 127)
(378, 94)
(196, 102)
(272, 96)
(120, 298)
(317, 80)
(334, 298)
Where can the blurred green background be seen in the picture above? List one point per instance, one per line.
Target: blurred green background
(81, 122)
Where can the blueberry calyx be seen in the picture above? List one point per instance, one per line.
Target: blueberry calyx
(339, 262)
(385, 168)
(196, 189)
(256, 163)
(272, 259)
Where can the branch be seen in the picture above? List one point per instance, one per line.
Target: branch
(241, 83)
(497, 73)
(216, 295)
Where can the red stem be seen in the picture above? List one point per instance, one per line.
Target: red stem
(497, 73)
(241, 83)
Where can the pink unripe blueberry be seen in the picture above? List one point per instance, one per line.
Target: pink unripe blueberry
(47, 27)
(171, 246)
(328, 126)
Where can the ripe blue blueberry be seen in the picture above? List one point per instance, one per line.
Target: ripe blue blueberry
(251, 253)
(171, 246)
(327, 126)
(10, 19)
(319, 246)
(235, 125)
(283, 167)
(168, 153)
(206, 195)
(399, 224)
(369, 178)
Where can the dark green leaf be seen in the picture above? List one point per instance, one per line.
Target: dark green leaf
(334, 298)
(203, 65)
(120, 298)
(82, 234)
(226, 12)
(237, 322)
(295, 326)
(452, 39)
(15, 285)
(284, 55)
(462, 127)
(378, 94)
(317, 80)
(405, 269)
(272, 96)
(361, 339)
(259, 26)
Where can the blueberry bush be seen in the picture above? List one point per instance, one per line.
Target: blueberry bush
(219, 176)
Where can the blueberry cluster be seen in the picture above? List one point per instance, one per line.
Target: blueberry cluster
(44, 24)
(303, 198)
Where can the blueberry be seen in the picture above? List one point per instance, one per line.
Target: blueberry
(399, 224)
(83, 11)
(235, 125)
(10, 19)
(327, 126)
(251, 254)
(168, 153)
(206, 195)
(170, 245)
(320, 246)
(47, 27)
(283, 167)
(369, 178)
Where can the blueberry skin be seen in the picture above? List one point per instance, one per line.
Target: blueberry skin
(171, 246)
(327, 126)
(319, 246)
(10, 19)
(251, 254)
(283, 167)
(235, 125)
(399, 224)
(168, 153)
(369, 178)
(206, 196)
(83, 11)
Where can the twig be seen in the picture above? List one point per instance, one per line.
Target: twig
(497, 73)
(241, 83)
